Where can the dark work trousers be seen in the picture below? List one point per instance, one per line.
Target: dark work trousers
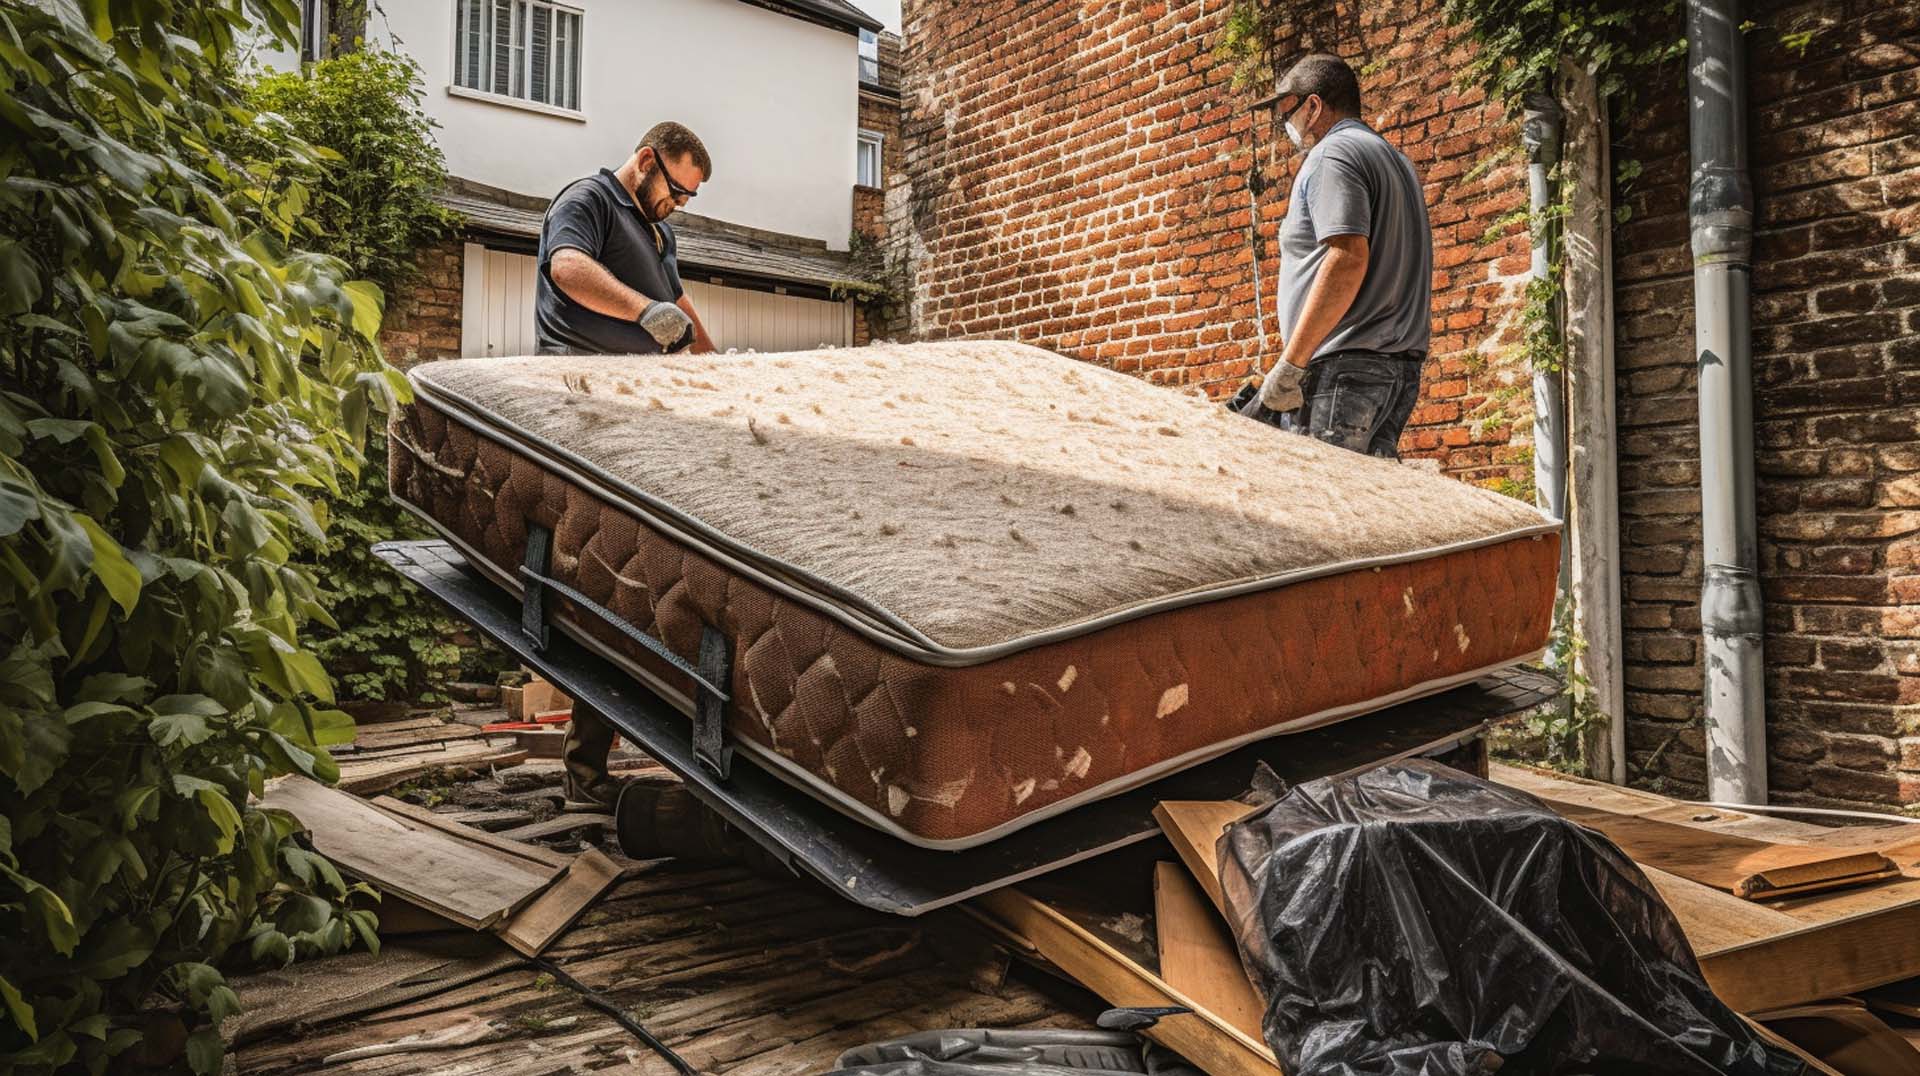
(589, 740)
(1360, 400)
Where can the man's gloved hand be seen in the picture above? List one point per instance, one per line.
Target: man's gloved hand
(666, 323)
(1281, 390)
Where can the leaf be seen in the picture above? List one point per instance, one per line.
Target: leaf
(55, 917)
(18, 505)
(110, 564)
(112, 687)
(19, 278)
(206, 1051)
(44, 747)
(18, 1008)
(367, 302)
(221, 810)
(87, 711)
(179, 730)
(134, 803)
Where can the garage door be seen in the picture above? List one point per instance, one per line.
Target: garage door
(497, 311)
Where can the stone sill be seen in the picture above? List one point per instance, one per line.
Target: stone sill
(516, 102)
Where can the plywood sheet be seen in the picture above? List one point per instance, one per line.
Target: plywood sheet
(466, 880)
(1197, 955)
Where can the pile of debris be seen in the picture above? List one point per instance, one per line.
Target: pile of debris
(1810, 934)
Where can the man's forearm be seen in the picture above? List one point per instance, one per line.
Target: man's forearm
(702, 343)
(590, 284)
(1334, 287)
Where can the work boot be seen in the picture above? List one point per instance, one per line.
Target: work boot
(656, 821)
(587, 785)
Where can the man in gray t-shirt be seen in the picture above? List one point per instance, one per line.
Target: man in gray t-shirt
(1356, 270)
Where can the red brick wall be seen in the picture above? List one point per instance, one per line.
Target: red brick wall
(878, 112)
(423, 316)
(1074, 175)
(1835, 141)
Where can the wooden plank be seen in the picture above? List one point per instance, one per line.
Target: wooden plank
(378, 776)
(1842, 1034)
(1746, 867)
(1194, 827)
(1197, 955)
(534, 927)
(1819, 946)
(560, 823)
(1217, 1047)
(465, 880)
(380, 738)
(499, 842)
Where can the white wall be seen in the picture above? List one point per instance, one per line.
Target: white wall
(775, 99)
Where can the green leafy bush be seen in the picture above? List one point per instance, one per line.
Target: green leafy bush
(373, 207)
(176, 381)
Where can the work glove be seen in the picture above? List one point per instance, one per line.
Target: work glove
(1281, 390)
(666, 323)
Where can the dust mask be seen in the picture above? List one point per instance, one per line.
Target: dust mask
(1293, 134)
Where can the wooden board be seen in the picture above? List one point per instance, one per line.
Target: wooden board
(1197, 955)
(1844, 1035)
(1791, 951)
(367, 778)
(386, 737)
(558, 824)
(1744, 866)
(466, 880)
(499, 842)
(535, 927)
(1193, 827)
(1217, 1047)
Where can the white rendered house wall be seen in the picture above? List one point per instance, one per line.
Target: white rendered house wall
(774, 98)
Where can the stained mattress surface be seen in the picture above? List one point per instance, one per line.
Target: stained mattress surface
(971, 584)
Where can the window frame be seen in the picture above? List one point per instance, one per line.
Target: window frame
(562, 70)
(869, 61)
(878, 141)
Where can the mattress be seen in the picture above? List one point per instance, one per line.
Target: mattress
(969, 585)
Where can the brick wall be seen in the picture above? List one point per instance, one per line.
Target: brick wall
(879, 111)
(423, 317)
(1835, 140)
(1075, 175)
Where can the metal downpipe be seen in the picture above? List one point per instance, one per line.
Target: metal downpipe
(1540, 135)
(1720, 212)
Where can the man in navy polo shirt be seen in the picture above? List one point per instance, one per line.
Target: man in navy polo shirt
(609, 284)
(609, 279)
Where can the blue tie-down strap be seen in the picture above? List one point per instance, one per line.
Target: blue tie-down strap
(716, 650)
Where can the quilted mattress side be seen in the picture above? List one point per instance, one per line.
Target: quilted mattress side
(949, 757)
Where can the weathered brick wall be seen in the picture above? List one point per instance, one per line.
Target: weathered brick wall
(423, 317)
(879, 111)
(1075, 175)
(1835, 140)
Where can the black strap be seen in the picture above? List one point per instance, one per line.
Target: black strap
(533, 600)
(658, 648)
(710, 746)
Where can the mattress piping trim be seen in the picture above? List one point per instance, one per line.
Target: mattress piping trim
(798, 776)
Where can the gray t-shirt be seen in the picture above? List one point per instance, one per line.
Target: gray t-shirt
(1355, 183)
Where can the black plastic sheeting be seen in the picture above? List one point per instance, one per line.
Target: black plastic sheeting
(989, 1052)
(1415, 921)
